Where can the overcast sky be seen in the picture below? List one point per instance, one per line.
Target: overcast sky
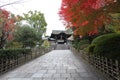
(50, 9)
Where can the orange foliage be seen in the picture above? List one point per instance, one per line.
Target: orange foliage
(85, 15)
(7, 23)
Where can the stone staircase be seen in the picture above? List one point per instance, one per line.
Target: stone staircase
(62, 47)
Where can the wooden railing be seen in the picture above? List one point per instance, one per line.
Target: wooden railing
(111, 68)
(11, 62)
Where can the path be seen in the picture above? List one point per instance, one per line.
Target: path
(61, 47)
(55, 65)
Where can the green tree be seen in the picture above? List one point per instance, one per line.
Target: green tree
(36, 20)
(26, 35)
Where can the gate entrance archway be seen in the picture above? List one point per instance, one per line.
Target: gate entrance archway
(59, 36)
(59, 39)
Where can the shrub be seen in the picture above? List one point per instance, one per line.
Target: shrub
(98, 39)
(9, 53)
(13, 44)
(91, 48)
(107, 45)
(84, 46)
(46, 43)
(81, 44)
(26, 35)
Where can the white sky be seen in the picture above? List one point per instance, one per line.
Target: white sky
(50, 9)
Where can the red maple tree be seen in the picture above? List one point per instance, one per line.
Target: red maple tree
(86, 16)
(6, 26)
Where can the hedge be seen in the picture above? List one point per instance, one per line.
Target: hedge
(9, 53)
(107, 45)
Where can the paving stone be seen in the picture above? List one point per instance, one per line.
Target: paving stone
(65, 75)
(47, 75)
(28, 75)
(81, 70)
(37, 79)
(48, 79)
(56, 75)
(11, 75)
(79, 79)
(42, 71)
(50, 68)
(19, 79)
(55, 65)
(90, 78)
(75, 75)
(58, 67)
(37, 75)
(51, 71)
(20, 75)
(61, 71)
(72, 67)
(60, 79)
(86, 74)
(71, 70)
(70, 78)
(64, 67)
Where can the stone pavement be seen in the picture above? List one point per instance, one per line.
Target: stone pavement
(61, 47)
(55, 65)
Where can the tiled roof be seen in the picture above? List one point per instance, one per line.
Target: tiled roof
(59, 31)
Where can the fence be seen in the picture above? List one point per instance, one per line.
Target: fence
(109, 67)
(7, 63)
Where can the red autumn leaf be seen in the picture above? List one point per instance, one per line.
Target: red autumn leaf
(92, 13)
(7, 23)
(84, 23)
